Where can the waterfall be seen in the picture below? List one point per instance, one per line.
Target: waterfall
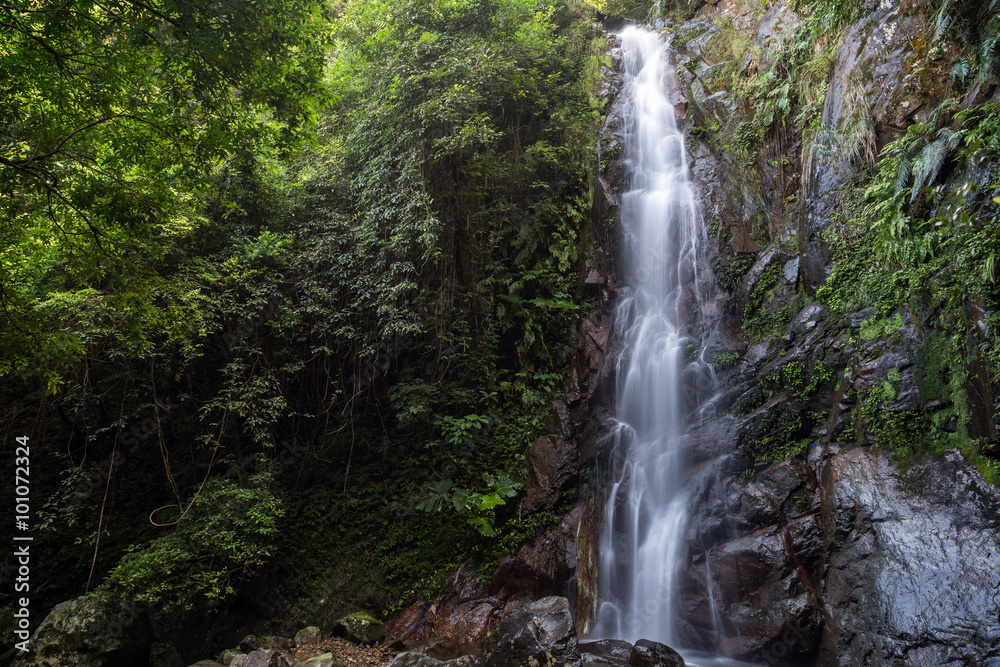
(661, 376)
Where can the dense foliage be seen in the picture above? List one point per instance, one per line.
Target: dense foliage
(916, 235)
(306, 268)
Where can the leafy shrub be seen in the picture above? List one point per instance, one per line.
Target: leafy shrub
(224, 538)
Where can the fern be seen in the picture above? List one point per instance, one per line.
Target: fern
(944, 21)
(960, 70)
(928, 166)
(976, 25)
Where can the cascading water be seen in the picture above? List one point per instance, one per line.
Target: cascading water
(661, 322)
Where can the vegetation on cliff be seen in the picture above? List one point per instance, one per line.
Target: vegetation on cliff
(911, 224)
(286, 289)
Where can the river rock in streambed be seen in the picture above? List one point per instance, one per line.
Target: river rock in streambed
(648, 653)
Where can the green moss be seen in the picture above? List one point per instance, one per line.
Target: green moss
(749, 402)
(793, 374)
(900, 431)
(777, 435)
(931, 368)
(725, 360)
(762, 320)
(731, 275)
(800, 501)
(636, 10)
(875, 327)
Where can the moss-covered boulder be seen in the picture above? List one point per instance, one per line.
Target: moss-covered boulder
(361, 628)
(309, 635)
(89, 630)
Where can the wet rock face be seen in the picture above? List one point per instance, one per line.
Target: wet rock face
(648, 653)
(541, 633)
(552, 462)
(912, 576)
(614, 652)
(467, 609)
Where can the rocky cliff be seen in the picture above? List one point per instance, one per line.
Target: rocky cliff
(843, 516)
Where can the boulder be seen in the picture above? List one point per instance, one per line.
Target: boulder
(324, 660)
(912, 563)
(541, 631)
(277, 643)
(251, 643)
(439, 648)
(309, 635)
(466, 661)
(614, 652)
(262, 657)
(648, 653)
(360, 628)
(91, 631)
(413, 659)
(207, 663)
(227, 656)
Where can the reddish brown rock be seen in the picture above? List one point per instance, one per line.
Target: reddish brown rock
(552, 462)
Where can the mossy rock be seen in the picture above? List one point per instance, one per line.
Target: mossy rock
(309, 635)
(90, 630)
(360, 628)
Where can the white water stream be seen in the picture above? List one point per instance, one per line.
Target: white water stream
(661, 323)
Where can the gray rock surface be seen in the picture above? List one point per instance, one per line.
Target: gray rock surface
(413, 659)
(227, 656)
(542, 631)
(308, 635)
(262, 657)
(912, 575)
(323, 660)
(648, 653)
(614, 652)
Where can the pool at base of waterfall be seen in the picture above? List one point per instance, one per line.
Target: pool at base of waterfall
(702, 659)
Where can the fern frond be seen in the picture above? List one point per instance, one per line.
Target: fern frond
(960, 70)
(943, 21)
(986, 52)
(933, 157)
(920, 172)
(952, 139)
(903, 172)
